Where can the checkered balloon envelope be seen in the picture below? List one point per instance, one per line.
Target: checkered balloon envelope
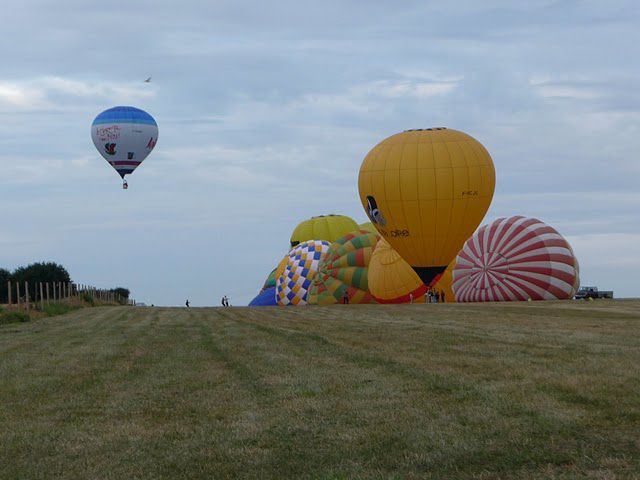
(302, 265)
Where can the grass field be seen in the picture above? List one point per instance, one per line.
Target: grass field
(526, 391)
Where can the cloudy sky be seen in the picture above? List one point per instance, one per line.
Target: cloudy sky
(266, 110)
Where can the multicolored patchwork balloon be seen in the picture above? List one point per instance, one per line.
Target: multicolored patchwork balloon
(302, 265)
(275, 273)
(344, 270)
(515, 258)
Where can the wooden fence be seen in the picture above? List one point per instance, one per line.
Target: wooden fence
(47, 292)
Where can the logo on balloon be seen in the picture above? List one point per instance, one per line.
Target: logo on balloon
(151, 144)
(131, 155)
(108, 133)
(374, 213)
(110, 148)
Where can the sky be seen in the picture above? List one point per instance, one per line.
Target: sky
(267, 109)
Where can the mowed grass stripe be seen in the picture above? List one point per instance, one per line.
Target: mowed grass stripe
(321, 343)
(416, 391)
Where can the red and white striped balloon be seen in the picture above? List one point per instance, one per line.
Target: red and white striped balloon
(515, 258)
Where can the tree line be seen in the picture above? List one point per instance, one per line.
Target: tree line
(41, 272)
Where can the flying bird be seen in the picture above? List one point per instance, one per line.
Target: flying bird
(148, 80)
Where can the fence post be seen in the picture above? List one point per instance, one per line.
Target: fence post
(9, 291)
(18, 292)
(26, 294)
(41, 298)
(47, 293)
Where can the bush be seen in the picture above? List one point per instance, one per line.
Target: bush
(88, 298)
(14, 317)
(121, 292)
(53, 309)
(5, 276)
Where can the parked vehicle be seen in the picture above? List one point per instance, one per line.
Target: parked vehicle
(585, 293)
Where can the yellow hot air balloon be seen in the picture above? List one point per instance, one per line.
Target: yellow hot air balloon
(426, 191)
(325, 227)
(391, 279)
(368, 226)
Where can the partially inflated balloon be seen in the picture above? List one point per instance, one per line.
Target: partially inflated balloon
(391, 279)
(326, 227)
(266, 298)
(302, 265)
(124, 136)
(426, 191)
(368, 226)
(515, 258)
(343, 270)
(275, 273)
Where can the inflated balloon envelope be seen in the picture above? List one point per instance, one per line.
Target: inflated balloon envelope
(124, 136)
(323, 227)
(426, 191)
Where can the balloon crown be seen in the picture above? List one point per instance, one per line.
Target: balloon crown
(425, 129)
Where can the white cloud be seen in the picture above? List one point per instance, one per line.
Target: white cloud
(567, 91)
(617, 250)
(265, 116)
(405, 88)
(58, 93)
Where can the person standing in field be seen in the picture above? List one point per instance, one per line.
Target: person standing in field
(223, 301)
(345, 298)
(187, 303)
(442, 296)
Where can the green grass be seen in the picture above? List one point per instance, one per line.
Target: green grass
(13, 317)
(520, 391)
(59, 308)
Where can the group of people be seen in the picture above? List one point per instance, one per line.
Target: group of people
(225, 302)
(433, 296)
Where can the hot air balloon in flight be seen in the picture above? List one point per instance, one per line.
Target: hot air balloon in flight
(124, 136)
(325, 227)
(426, 191)
(515, 258)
